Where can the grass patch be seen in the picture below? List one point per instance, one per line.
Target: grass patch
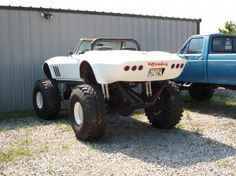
(13, 154)
(65, 146)
(50, 169)
(214, 103)
(15, 115)
(138, 112)
(222, 95)
(222, 163)
(186, 114)
(180, 126)
(198, 131)
(43, 149)
(25, 140)
(63, 125)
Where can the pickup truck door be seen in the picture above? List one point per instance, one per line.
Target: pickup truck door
(195, 69)
(222, 60)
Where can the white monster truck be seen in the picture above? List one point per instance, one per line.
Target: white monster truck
(110, 74)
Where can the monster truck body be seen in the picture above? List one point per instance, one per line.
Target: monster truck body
(122, 77)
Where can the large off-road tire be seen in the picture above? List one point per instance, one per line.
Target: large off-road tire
(87, 111)
(200, 94)
(46, 99)
(167, 111)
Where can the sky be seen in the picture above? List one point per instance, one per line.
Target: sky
(214, 13)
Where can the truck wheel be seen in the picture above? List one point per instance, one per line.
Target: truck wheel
(200, 94)
(46, 99)
(167, 111)
(87, 110)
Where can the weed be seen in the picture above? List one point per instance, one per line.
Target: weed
(198, 131)
(65, 146)
(13, 154)
(15, 115)
(187, 114)
(25, 140)
(222, 163)
(62, 126)
(222, 95)
(50, 169)
(3, 129)
(43, 149)
(138, 112)
(213, 103)
(179, 125)
(92, 146)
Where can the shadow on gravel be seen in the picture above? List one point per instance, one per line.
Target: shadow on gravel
(174, 148)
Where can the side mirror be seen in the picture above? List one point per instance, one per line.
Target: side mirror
(70, 52)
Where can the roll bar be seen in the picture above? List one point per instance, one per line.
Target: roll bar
(122, 40)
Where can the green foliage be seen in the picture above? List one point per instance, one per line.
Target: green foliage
(229, 28)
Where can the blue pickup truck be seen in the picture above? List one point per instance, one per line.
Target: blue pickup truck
(211, 64)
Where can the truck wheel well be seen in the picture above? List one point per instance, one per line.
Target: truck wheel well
(86, 72)
(47, 71)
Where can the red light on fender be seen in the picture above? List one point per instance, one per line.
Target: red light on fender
(177, 66)
(134, 68)
(182, 65)
(127, 68)
(140, 67)
(173, 66)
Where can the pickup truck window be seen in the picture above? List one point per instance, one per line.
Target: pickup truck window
(194, 46)
(223, 44)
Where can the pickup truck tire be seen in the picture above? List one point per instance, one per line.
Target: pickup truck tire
(46, 99)
(167, 111)
(87, 112)
(200, 94)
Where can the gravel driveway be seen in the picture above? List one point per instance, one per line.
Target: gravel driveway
(204, 143)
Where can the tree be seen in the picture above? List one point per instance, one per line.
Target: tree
(229, 28)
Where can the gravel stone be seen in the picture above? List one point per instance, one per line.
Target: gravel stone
(202, 144)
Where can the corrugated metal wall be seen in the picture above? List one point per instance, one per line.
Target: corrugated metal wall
(27, 39)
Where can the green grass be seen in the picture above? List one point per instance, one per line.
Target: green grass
(218, 101)
(65, 146)
(15, 115)
(25, 140)
(223, 95)
(223, 163)
(198, 131)
(179, 125)
(12, 154)
(43, 149)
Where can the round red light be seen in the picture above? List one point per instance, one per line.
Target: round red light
(134, 68)
(182, 65)
(177, 66)
(127, 68)
(140, 67)
(173, 66)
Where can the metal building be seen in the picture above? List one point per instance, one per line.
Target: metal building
(28, 36)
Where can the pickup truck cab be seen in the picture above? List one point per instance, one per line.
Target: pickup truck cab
(211, 64)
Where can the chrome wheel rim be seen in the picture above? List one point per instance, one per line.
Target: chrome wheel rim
(78, 113)
(39, 100)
